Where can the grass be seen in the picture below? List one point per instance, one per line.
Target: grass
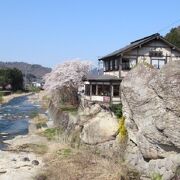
(69, 108)
(36, 148)
(68, 163)
(64, 152)
(51, 133)
(1, 97)
(40, 121)
(34, 89)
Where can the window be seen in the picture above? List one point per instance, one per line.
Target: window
(115, 90)
(100, 90)
(125, 64)
(132, 62)
(93, 89)
(87, 89)
(106, 89)
(158, 63)
(111, 64)
(106, 65)
(116, 64)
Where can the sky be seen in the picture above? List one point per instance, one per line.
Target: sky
(49, 32)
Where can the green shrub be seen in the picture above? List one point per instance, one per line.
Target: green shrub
(156, 176)
(69, 108)
(40, 125)
(34, 89)
(1, 97)
(51, 133)
(122, 128)
(116, 109)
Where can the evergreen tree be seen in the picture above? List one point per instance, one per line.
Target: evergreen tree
(174, 36)
(14, 77)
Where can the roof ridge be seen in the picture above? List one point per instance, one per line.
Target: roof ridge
(147, 37)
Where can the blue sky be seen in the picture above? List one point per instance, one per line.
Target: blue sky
(48, 32)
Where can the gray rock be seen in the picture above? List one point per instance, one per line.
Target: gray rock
(2, 171)
(101, 128)
(35, 162)
(25, 159)
(151, 104)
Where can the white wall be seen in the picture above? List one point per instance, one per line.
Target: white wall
(112, 73)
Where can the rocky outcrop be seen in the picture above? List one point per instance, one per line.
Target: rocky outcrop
(151, 104)
(94, 125)
(100, 128)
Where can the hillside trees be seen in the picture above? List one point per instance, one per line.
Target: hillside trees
(13, 77)
(63, 82)
(174, 36)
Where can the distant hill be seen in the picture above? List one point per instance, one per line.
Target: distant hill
(32, 72)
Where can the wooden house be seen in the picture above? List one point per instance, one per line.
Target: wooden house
(154, 49)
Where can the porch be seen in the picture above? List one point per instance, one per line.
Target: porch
(104, 89)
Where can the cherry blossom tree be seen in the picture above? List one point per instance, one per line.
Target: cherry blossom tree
(63, 82)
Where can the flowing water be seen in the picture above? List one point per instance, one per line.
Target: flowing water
(14, 118)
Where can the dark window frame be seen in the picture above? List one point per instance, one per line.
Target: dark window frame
(87, 89)
(125, 64)
(157, 59)
(93, 89)
(111, 65)
(116, 91)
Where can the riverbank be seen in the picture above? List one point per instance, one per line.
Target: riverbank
(22, 158)
(20, 163)
(8, 98)
(43, 155)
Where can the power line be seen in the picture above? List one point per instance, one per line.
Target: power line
(168, 26)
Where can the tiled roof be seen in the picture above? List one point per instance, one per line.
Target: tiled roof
(137, 43)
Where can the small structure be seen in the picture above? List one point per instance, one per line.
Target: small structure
(154, 50)
(37, 84)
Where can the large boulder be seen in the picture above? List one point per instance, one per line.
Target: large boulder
(151, 104)
(100, 128)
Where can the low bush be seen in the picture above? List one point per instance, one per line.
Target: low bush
(51, 133)
(40, 120)
(156, 176)
(34, 89)
(116, 109)
(122, 128)
(40, 125)
(69, 108)
(1, 97)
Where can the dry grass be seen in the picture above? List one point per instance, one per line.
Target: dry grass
(40, 121)
(35, 148)
(72, 164)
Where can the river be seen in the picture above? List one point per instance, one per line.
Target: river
(14, 117)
